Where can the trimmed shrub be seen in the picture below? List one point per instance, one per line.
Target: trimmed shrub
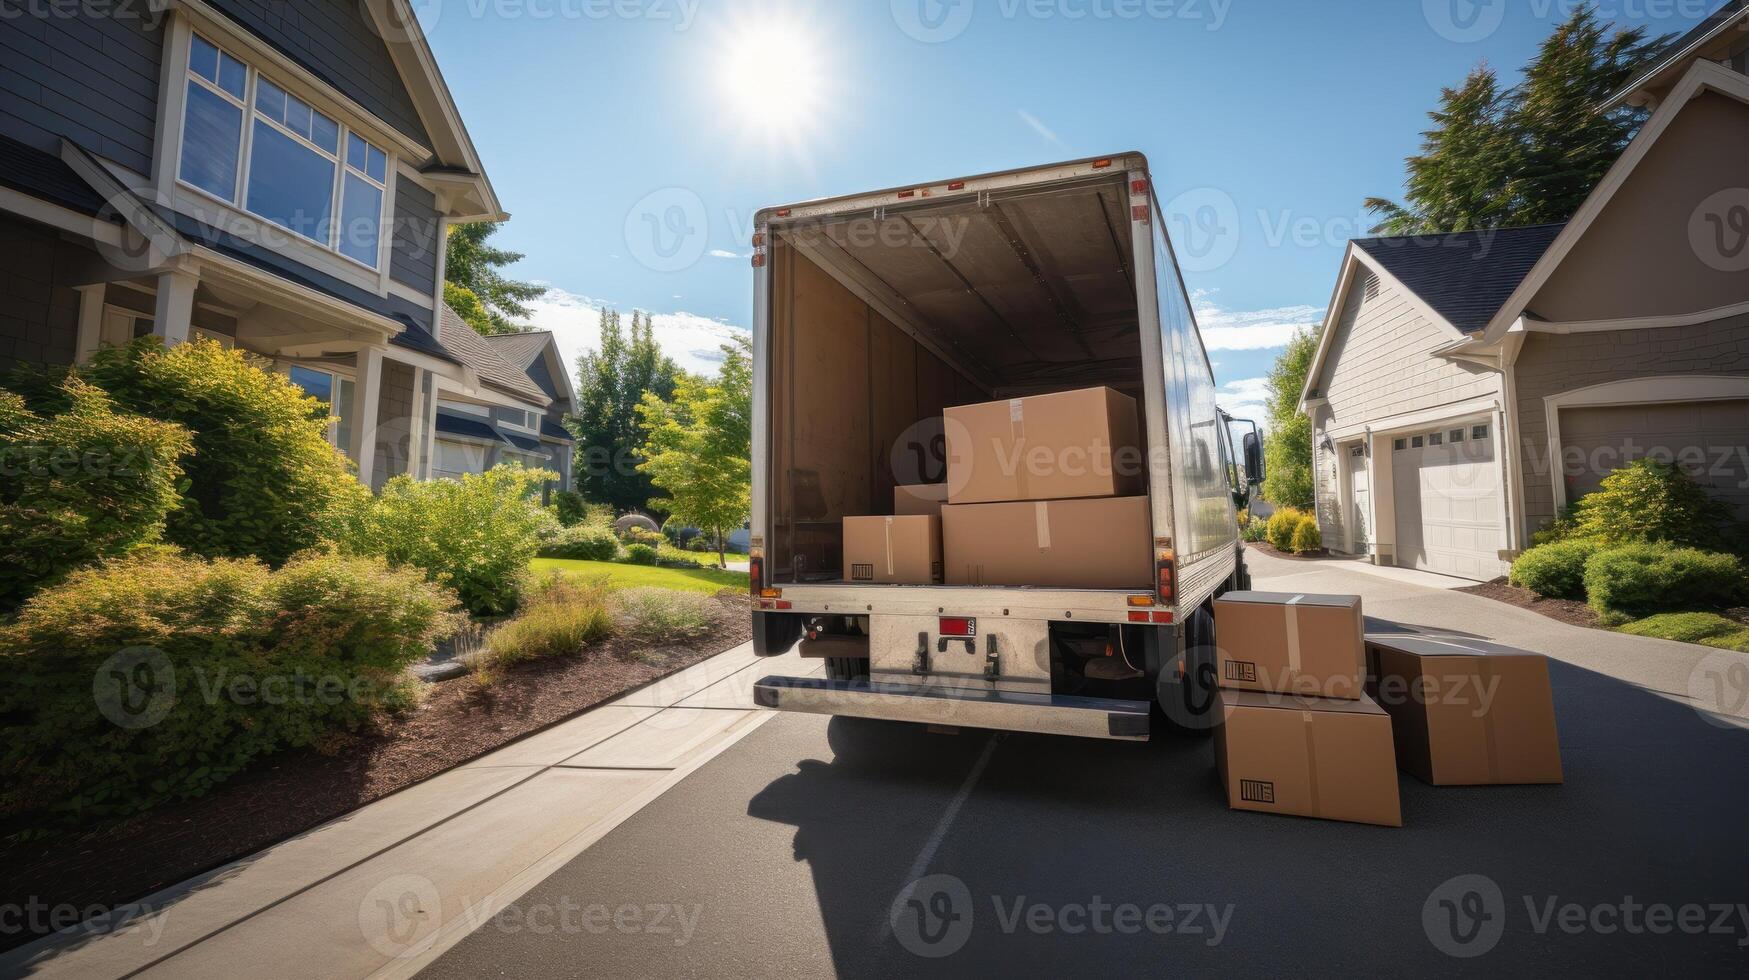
(262, 480)
(198, 667)
(1651, 501)
(1307, 537)
(1555, 570)
(642, 535)
(1256, 529)
(86, 484)
(663, 615)
(1561, 527)
(1281, 526)
(475, 535)
(583, 542)
(1636, 580)
(570, 507)
(561, 617)
(641, 554)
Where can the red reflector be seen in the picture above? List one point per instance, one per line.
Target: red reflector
(1138, 617)
(756, 574)
(958, 626)
(904, 194)
(765, 603)
(1162, 617)
(758, 260)
(783, 212)
(1139, 185)
(783, 604)
(758, 239)
(1101, 164)
(958, 185)
(1140, 213)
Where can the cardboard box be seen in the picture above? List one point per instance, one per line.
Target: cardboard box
(1067, 544)
(899, 550)
(1061, 446)
(1288, 643)
(1466, 712)
(924, 498)
(1311, 757)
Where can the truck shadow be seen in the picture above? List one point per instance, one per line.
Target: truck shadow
(1055, 829)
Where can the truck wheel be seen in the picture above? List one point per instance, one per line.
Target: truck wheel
(846, 668)
(775, 633)
(1187, 684)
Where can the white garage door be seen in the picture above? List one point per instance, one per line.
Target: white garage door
(1447, 492)
(1708, 440)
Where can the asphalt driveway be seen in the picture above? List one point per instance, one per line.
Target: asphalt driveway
(817, 846)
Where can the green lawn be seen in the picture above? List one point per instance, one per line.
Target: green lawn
(620, 576)
(1708, 629)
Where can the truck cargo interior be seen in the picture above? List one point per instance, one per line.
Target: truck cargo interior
(883, 318)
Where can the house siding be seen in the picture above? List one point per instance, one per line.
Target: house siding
(337, 41)
(394, 438)
(1551, 364)
(91, 79)
(1380, 365)
(414, 241)
(39, 313)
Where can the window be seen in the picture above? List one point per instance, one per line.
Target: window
(337, 393)
(519, 419)
(1479, 432)
(1416, 442)
(293, 165)
(1436, 439)
(1457, 435)
(1400, 445)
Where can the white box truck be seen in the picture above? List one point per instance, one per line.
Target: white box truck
(875, 312)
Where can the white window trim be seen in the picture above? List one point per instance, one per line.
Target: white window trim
(520, 427)
(169, 190)
(338, 373)
(1658, 390)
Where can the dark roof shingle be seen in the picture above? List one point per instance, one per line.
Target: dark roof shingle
(45, 175)
(473, 350)
(1466, 276)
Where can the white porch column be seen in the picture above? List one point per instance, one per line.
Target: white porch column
(90, 320)
(170, 318)
(364, 410)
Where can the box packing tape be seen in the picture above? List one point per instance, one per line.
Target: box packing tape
(1311, 761)
(889, 527)
(1017, 428)
(1292, 611)
(1042, 520)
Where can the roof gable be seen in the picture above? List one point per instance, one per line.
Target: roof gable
(1466, 276)
(1723, 33)
(493, 370)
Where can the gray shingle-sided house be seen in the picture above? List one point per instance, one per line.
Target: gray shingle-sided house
(1468, 387)
(274, 176)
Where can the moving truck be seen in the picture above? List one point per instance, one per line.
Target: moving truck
(876, 313)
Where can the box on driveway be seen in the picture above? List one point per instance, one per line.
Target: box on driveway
(1060, 446)
(1466, 712)
(898, 550)
(1290, 643)
(1311, 757)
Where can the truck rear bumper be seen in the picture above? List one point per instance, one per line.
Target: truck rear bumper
(1045, 714)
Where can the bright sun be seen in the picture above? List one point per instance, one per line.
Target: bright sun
(772, 79)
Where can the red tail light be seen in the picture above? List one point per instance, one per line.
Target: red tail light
(1164, 577)
(958, 626)
(756, 574)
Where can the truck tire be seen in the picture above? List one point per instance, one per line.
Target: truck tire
(775, 633)
(1188, 697)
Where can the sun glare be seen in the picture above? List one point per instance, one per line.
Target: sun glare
(773, 79)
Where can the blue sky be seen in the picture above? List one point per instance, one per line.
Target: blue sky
(603, 123)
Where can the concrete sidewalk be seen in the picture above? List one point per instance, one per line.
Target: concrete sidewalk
(385, 889)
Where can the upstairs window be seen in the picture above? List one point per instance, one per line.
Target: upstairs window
(292, 165)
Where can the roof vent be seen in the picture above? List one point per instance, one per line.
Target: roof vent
(1372, 287)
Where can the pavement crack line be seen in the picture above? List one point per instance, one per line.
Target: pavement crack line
(933, 844)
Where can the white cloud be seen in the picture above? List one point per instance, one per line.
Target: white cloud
(1245, 399)
(1255, 330)
(722, 253)
(690, 338)
(1039, 127)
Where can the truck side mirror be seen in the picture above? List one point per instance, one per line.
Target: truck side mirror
(1253, 459)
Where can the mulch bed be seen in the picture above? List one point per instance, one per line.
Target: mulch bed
(1273, 552)
(1569, 611)
(290, 793)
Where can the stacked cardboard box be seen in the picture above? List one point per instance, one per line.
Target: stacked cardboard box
(1296, 732)
(1044, 491)
(1466, 712)
(903, 549)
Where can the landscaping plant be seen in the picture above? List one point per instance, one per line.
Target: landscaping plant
(1555, 570)
(1647, 500)
(198, 667)
(1640, 579)
(641, 554)
(561, 616)
(475, 535)
(84, 484)
(584, 542)
(663, 615)
(1307, 538)
(1281, 527)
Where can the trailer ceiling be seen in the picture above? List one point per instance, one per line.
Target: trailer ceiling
(1029, 291)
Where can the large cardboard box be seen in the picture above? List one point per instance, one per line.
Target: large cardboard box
(1068, 544)
(1466, 712)
(1312, 757)
(925, 498)
(898, 550)
(1060, 446)
(1290, 643)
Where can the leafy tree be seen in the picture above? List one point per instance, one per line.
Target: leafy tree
(1531, 154)
(700, 445)
(472, 264)
(1287, 449)
(468, 306)
(611, 381)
